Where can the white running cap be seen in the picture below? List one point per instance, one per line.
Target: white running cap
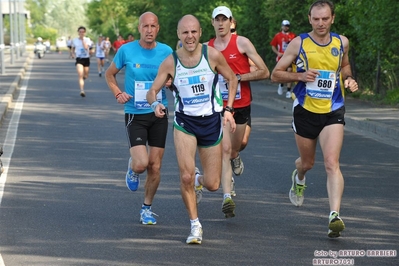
(285, 23)
(222, 10)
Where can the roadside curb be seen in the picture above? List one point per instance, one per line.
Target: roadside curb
(376, 128)
(352, 122)
(9, 96)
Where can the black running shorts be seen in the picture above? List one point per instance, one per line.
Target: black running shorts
(242, 115)
(144, 128)
(83, 61)
(309, 125)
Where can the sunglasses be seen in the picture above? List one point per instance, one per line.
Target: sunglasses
(232, 30)
(286, 26)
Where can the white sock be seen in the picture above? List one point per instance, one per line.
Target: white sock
(195, 222)
(227, 195)
(300, 182)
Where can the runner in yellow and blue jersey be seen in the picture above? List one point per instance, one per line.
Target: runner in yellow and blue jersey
(325, 94)
(322, 71)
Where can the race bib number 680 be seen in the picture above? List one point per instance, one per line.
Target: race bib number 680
(323, 86)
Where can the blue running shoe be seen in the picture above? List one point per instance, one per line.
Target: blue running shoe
(147, 216)
(132, 179)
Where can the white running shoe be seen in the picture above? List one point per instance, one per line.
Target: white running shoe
(280, 89)
(237, 165)
(288, 95)
(296, 191)
(198, 189)
(233, 188)
(195, 236)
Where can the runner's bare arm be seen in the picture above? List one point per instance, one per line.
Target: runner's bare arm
(165, 73)
(110, 78)
(262, 72)
(280, 73)
(346, 71)
(219, 64)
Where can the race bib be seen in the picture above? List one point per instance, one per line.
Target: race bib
(323, 86)
(82, 52)
(284, 46)
(140, 94)
(224, 89)
(193, 90)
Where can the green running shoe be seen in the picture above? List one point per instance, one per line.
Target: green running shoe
(228, 208)
(335, 225)
(296, 191)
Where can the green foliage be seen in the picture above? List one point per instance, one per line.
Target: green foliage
(273, 13)
(392, 97)
(374, 29)
(371, 27)
(37, 9)
(45, 33)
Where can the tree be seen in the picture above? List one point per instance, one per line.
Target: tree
(370, 26)
(66, 15)
(52, 19)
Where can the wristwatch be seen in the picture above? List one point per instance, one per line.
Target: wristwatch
(229, 109)
(238, 77)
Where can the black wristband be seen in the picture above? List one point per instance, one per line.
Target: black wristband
(350, 77)
(229, 109)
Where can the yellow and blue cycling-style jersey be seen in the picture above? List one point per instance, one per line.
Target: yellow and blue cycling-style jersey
(326, 93)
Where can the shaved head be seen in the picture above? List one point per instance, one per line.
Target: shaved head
(147, 15)
(188, 19)
(148, 28)
(189, 32)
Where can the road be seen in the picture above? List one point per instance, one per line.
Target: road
(65, 200)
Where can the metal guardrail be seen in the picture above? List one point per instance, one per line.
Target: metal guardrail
(5, 47)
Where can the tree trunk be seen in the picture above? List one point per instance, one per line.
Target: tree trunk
(377, 78)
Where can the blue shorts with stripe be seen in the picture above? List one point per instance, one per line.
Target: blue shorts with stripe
(208, 130)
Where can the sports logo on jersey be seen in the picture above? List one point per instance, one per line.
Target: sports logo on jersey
(140, 85)
(142, 104)
(299, 63)
(183, 81)
(233, 56)
(196, 99)
(334, 51)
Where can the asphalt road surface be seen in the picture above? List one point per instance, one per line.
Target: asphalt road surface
(64, 199)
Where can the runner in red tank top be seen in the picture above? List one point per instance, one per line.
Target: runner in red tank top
(279, 44)
(237, 50)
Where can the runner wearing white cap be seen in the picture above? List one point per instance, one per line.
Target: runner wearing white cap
(237, 50)
(279, 44)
